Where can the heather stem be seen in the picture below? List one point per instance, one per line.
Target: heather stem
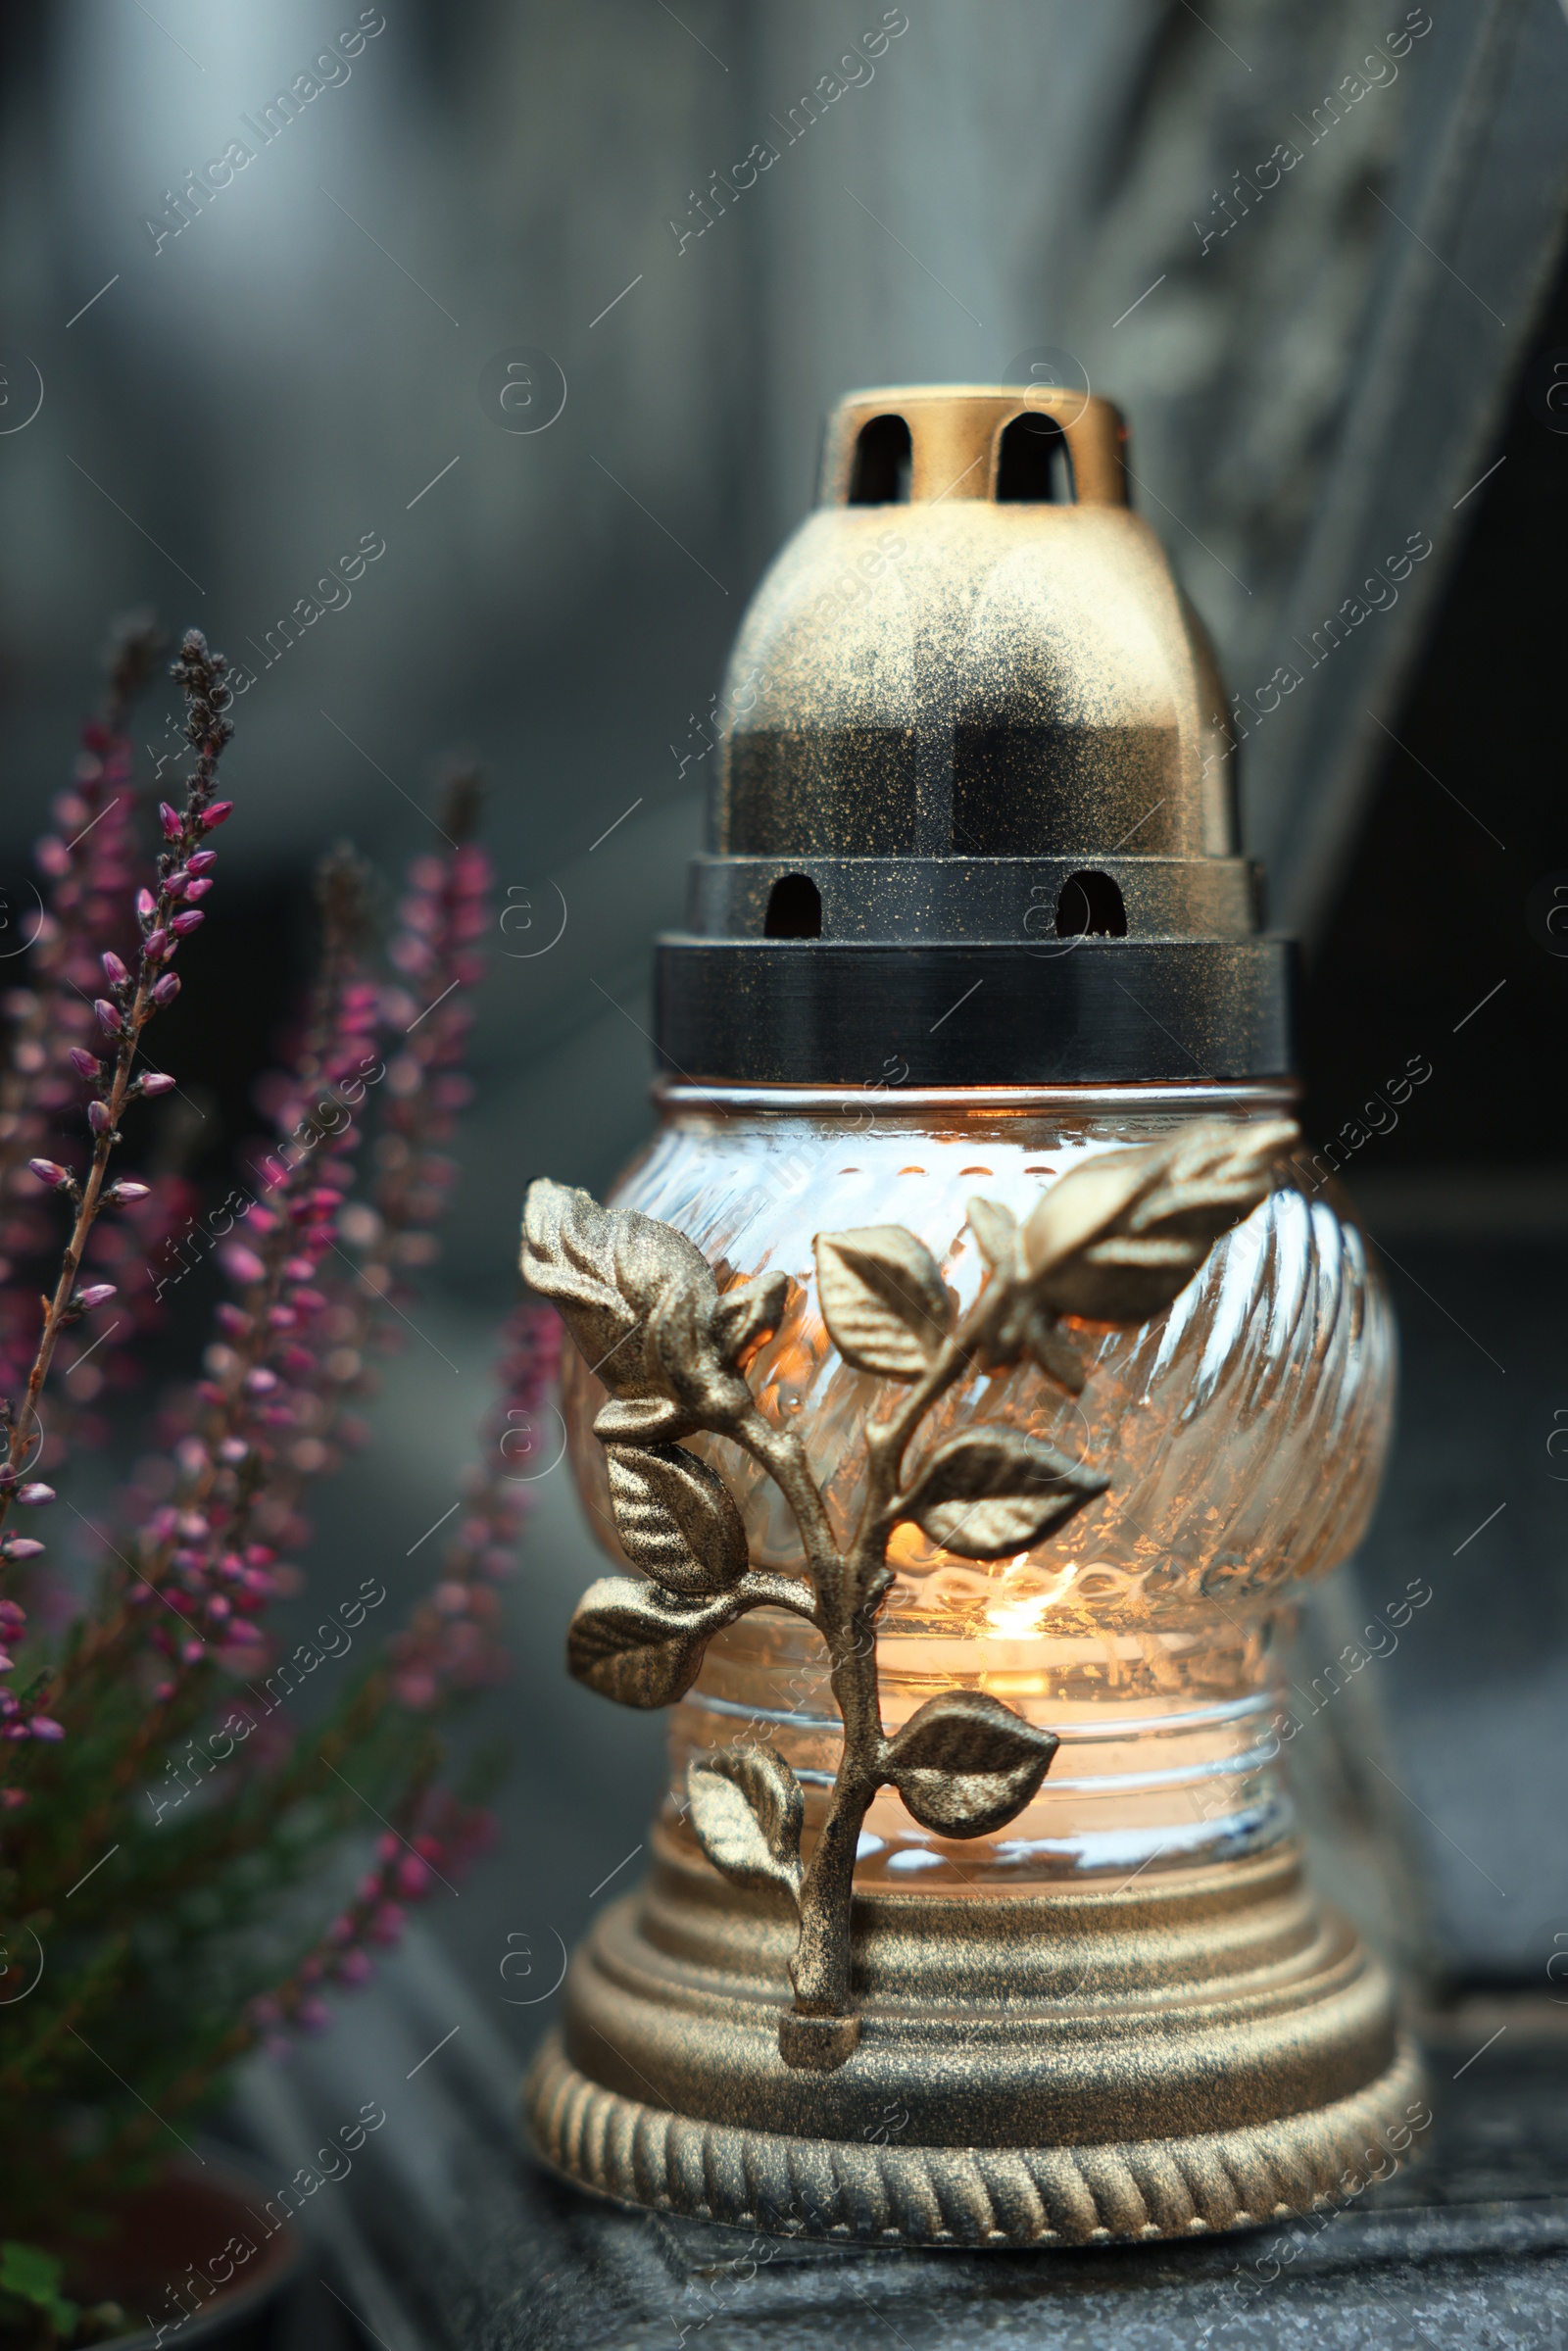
(201, 675)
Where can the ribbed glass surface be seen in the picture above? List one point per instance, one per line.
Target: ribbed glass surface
(1243, 1431)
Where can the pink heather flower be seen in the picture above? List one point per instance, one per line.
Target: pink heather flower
(157, 1081)
(183, 924)
(146, 907)
(157, 946)
(202, 862)
(95, 1296)
(166, 988)
(35, 1495)
(241, 1264)
(18, 1546)
(50, 1171)
(171, 820)
(44, 1727)
(218, 814)
(127, 1189)
(412, 1877)
(109, 1019)
(115, 971)
(85, 1064)
(12, 1620)
(98, 1117)
(195, 889)
(355, 1968)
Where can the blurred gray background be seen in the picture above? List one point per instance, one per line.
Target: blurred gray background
(1315, 370)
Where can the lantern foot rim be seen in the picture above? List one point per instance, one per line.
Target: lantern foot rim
(968, 2198)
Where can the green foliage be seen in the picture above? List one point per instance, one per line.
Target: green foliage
(31, 2305)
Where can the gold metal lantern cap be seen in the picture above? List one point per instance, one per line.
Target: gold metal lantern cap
(965, 1380)
(974, 809)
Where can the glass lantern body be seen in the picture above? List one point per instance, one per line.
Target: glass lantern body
(1242, 1432)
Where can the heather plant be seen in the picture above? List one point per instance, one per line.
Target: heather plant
(196, 1853)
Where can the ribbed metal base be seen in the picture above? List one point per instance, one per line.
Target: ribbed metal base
(1195, 2051)
(889, 2194)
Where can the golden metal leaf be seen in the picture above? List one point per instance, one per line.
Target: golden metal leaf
(748, 1810)
(996, 1230)
(748, 1313)
(991, 1491)
(640, 1646)
(608, 1270)
(676, 1520)
(1117, 1238)
(964, 1764)
(882, 1298)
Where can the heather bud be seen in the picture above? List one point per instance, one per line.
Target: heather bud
(109, 1019)
(202, 862)
(44, 1726)
(157, 946)
(98, 1117)
(32, 1496)
(184, 923)
(241, 1264)
(115, 971)
(49, 1171)
(166, 988)
(195, 890)
(84, 1063)
(94, 1295)
(18, 1546)
(388, 1923)
(126, 1191)
(146, 907)
(156, 1081)
(218, 814)
(170, 819)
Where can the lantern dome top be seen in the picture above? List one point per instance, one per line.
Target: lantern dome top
(972, 732)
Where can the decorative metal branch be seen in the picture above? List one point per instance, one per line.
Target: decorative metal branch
(1111, 1242)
